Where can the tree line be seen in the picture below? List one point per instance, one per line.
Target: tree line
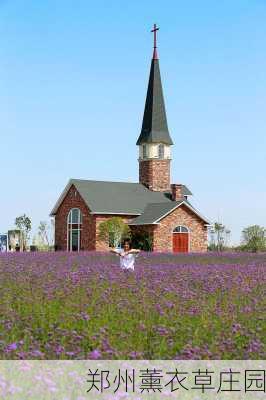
(253, 238)
(44, 240)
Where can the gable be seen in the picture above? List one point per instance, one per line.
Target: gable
(188, 207)
(154, 213)
(72, 199)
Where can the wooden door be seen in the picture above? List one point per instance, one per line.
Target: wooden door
(180, 242)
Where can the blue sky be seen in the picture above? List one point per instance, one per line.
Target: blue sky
(73, 79)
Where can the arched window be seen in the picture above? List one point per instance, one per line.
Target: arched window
(74, 223)
(180, 229)
(161, 150)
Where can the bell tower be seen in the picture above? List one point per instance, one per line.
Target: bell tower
(154, 140)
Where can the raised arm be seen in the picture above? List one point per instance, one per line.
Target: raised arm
(134, 251)
(115, 251)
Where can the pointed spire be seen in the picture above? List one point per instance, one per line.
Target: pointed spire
(154, 124)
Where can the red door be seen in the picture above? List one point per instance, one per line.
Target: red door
(180, 242)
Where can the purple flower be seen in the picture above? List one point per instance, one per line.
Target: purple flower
(236, 328)
(11, 347)
(94, 355)
(194, 306)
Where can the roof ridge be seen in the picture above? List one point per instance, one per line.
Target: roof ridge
(164, 202)
(101, 181)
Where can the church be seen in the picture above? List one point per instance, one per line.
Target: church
(153, 206)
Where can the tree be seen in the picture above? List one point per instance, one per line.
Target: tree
(142, 241)
(24, 224)
(219, 231)
(113, 231)
(254, 238)
(227, 237)
(219, 237)
(43, 233)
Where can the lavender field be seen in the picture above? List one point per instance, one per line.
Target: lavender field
(82, 306)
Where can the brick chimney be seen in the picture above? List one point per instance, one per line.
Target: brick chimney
(177, 192)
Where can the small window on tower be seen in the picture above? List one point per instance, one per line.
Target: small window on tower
(144, 151)
(161, 151)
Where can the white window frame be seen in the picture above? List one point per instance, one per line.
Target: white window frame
(180, 229)
(70, 229)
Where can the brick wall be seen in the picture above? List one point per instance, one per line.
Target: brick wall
(74, 200)
(90, 223)
(155, 174)
(162, 233)
(163, 239)
(177, 192)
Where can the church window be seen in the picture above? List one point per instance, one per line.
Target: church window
(144, 150)
(161, 151)
(74, 223)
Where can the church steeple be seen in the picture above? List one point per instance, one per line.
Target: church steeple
(154, 140)
(154, 125)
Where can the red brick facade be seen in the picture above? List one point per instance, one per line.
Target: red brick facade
(162, 233)
(155, 174)
(89, 238)
(177, 193)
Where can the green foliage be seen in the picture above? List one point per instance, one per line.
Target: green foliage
(254, 238)
(113, 231)
(219, 237)
(142, 241)
(24, 224)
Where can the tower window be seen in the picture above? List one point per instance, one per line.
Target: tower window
(161, 151)
(144, 151)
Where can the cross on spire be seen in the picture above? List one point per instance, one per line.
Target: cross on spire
(154, 31)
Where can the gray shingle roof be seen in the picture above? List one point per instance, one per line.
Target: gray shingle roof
(155, 211)
(125, 198)
(186, 191)
(114, 197)
(154, 124)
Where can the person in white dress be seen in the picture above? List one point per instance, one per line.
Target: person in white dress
(127, 256)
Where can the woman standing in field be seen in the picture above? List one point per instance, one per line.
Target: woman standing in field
(127, 255)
